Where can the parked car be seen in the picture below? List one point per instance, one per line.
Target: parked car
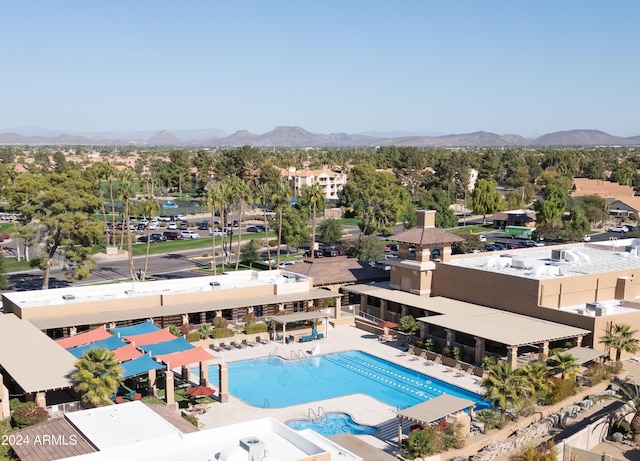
(172, 235)
(586, 238)
(153, 225)
(532, 243)
(204, 225)
(482, 237)
(153, 238)
(285, 264)
(499, 246)
(172, 225)
(491, 247)
(330, 253)
(189, 234)
(183, 225)
(619, 229)
(252, 229)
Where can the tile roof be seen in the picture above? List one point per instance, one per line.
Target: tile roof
(338, 270)
(426, 236)
(605, 189)
(67, 441)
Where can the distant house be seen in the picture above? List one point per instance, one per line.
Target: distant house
(621, 199)
(331, 180)
(503, 219)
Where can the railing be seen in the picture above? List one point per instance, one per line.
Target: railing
(266, 403)
(300, 356)
(272, 355)
(314, 416)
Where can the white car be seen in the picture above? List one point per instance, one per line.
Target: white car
(285, 264)
(153, 225)
(189, 234)
(482, 238)
(216, 232)
(622, 229)
(172, 225)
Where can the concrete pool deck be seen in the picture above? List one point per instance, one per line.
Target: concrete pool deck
(362, 408)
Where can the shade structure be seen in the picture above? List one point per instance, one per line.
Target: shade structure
(168, 347)
(137, 329)
(87, 337)
(387, 324)
(200, 391)
(139, 366)
(179, 359)
(128, 352)
(154, 337)
(111, 343)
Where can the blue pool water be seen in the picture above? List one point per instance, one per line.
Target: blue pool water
(332, 424)
(273, 382)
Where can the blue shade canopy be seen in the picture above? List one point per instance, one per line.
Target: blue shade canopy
(168, 347)
(110, 344)
(138, 329)
(139, 366)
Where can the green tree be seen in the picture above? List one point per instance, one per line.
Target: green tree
(485, 199)
(330, 230)
(97, 377)
(630, 400)
(438, 200)
(552, 207)
(4, 279)
(408, 324)
(621, 337)
(147, 207)
(242, 191)
(249, 253)
(263, 195)
(503, 387)
(61, 204)
(536, 378)
(369, 248)
(281, 198)
(565, 364)
(295, 228)
(313, 197)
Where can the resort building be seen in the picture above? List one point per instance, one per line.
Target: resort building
(331, 180)
(65, 312)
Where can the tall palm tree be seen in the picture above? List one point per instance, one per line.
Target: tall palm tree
(243, 192)
(97, 377)
(210, 200)
(630, 399)
(621, 338)
(536, 379)
(565, 364)
(263, 195)
(281, 196)
(127, 191)
(503, 387)
(315, 195)
(148, 208)
(227, 199)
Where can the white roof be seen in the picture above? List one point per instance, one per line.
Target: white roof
(131, 432)
(34, 361)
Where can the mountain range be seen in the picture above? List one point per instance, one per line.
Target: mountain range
(293, 136)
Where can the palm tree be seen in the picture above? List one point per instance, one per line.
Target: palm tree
(243, 192)
(315, 195)
(565, 364)
(263, 195)
(210, 200)
(127, 190)
(621, 338)
(503, 387)
(536, 378)
(148, 207)
(630, 399)
(281, 196)
(97, 377)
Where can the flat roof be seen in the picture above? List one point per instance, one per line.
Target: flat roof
(584, 354)
(485, 322)
(435, 409)
(157, 311)
(34, 361)
(299, 316)
(536, 263)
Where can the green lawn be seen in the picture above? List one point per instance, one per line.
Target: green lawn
(349, 221)
(476, 229)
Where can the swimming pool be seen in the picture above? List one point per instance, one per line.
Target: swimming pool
(332, 424)
(276, 383)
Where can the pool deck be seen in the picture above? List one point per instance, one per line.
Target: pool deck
(362, 408)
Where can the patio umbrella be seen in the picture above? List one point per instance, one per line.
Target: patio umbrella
(387, 324)
(200, 391)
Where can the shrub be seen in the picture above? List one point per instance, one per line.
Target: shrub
(192, 419)
(220, 322)
(193, 336)
(4, 236)
(621, 426)
(491, 419)
(544, 452)
(14, 403)
(255, 328)
(249, 318)
(419, 444)
(151, 399)
(174, 330)
(186, 329)
(596, 373)
(560, 390)
(28, 414)
(222, 333)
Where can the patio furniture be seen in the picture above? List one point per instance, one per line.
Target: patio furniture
(215, 345)
(227, 344)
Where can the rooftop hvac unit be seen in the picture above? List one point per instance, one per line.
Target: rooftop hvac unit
(558, 255)
(601, 311)
(289, 275)
(593, 306)
(255, 447)
(518, 263)
(214, 285)
(68, 297)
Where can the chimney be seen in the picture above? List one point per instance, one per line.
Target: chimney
(425, 219)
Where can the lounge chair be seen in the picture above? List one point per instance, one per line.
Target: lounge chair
(137, 396)
(227, 344)
(215, 345)
(119, 400)
(262, 339)
(239, 342)
(320, 336)
(249, 342)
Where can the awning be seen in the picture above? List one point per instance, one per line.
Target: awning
(584, 354)
(127, 352)
(300, 316)
(168, 347)
(139, 366)
(179, 359)
(111, 343)
(138, 329)
(87, 337)
(154, 337)
(435, 409)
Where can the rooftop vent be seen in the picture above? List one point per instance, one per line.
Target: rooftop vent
(68, 297)
(214, 285)
(518, 263)
(255, 447)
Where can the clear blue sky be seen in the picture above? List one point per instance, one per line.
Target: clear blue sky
(326, 65)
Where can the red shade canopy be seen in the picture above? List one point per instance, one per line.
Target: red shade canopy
(387, 324)
(200, 391)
